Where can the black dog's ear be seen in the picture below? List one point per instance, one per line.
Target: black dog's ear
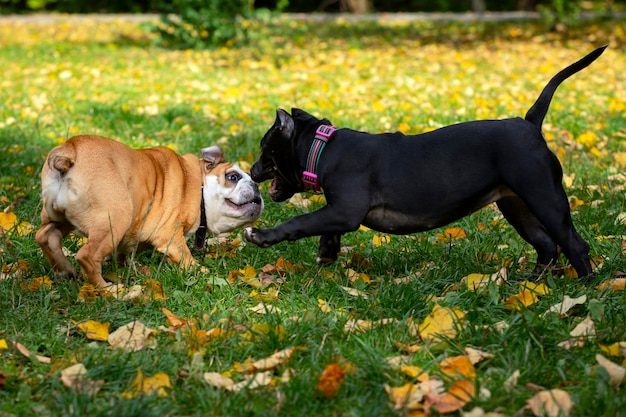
(305, 117)
(299, 113)
(284, 123)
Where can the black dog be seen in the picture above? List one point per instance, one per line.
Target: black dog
(404, 184)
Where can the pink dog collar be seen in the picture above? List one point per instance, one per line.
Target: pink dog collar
(309, 177)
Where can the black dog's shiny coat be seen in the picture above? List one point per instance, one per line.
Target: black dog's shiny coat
(404, 184)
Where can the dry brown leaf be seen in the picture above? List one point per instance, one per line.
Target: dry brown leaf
(215, 379)
(616, 284)
(299, 201)
(551, 403)
(408, 348)
(407, 397)
(359, 325)
(74, 377)
(24, 351)
(616, 372)
(479, 412)
(566, 305)
(263, 308)
(354, 292)
(475, 355)
(252, 381)
(511, 381)
(586, 328)
(281, 357)
(571, 343)
(131, 337)
(70, 375)
(132, 293)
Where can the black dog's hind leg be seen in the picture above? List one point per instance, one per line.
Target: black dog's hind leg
(530, 229)
(328, 249)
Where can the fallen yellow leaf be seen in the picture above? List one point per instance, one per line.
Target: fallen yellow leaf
(620, 158)
(332, 378)
(154, 290)
(379, 240)
(323, 305)
(524, 298)
(615, 349)
(452, 233)
(141, 384)
(537, 288)
(616, 284)
(37, 283)
(460, 393)
(8, 221)
(174, 321)
(441, 322)
(407, 397)
(458, 366)
(87, 292)
(95, 330)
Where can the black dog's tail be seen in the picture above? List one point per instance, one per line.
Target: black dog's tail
(538, 111)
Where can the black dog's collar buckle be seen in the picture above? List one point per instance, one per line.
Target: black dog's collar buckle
(309, 177)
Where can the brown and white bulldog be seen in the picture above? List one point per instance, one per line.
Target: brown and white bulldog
(128, 200)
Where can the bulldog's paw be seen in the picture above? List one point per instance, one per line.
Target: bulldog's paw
(255, 236)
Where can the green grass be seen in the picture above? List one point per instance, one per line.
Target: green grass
(63, 79)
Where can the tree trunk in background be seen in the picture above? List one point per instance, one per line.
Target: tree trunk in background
(356, 6)
(478, 6)
(526, 5)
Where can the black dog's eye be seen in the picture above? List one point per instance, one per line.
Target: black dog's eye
(233, 176)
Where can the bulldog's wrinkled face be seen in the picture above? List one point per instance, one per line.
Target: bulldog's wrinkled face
(276, 161)
(231, 199)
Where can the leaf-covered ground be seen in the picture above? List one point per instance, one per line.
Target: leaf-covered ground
(433, 323)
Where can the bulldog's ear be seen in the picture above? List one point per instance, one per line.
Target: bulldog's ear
(212, 155)
(284, 123)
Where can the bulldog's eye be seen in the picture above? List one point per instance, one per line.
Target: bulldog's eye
(233, 176)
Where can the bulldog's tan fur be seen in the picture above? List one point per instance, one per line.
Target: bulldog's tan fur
(129, 200)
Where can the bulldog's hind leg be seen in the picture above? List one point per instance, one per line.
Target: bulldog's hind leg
(516, 212)
(103, 237)
(50, 239)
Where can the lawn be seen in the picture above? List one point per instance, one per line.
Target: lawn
(444, 321)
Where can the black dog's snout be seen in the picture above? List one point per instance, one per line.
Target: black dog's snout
(258, 174)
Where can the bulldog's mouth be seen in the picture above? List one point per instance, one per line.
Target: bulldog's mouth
(254, 204)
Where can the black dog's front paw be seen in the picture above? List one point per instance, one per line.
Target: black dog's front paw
(328, 249)
(256, 236)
